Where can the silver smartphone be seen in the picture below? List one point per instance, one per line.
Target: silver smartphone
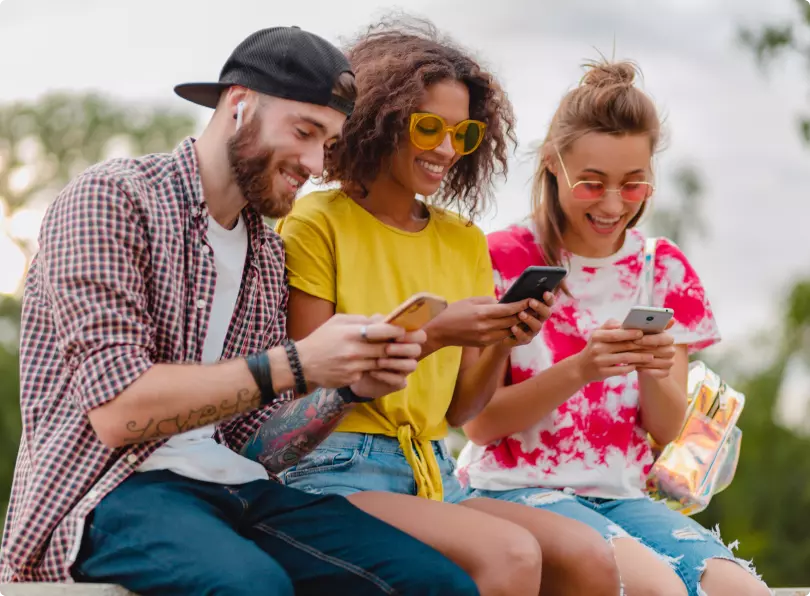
(649, 319)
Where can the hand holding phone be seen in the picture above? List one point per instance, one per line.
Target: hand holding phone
(417, 311)
(610, 352)
(649, 319)
(534, 282)
(653, 322)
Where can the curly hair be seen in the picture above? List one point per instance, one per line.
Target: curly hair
(394, 62)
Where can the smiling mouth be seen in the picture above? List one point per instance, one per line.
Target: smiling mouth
(294, 182)
(433, 168)
(604, 224)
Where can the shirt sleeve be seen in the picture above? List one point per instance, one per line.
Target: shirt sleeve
(93, 257)
(511, 251)
(678, 287)
(310, 254)
(485, 280)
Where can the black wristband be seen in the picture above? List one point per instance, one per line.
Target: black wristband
(259, 367)
(350, 397)
(295, 366)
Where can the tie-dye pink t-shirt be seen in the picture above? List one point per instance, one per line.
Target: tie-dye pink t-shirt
(592, 443)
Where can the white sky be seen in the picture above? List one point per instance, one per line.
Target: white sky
(723, 115)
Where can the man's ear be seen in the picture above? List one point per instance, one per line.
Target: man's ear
(235, 95)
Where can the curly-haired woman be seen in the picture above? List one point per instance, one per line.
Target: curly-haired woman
(367, 246)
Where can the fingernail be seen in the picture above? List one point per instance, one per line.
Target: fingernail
(534, 304)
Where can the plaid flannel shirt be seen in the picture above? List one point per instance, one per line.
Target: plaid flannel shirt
(124, 279)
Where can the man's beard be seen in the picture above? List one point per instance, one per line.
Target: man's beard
(253, 171)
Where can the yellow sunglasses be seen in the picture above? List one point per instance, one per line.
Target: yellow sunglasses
(428, 132)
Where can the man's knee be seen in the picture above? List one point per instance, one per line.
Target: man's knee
(269, 578)
(440, 578)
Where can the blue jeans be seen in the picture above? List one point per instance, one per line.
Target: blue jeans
(678, 540)
(347, 463)
(163, 534)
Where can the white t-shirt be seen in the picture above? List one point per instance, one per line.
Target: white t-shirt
(195, 454)
(593, 443)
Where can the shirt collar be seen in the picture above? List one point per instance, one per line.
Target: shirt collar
(187, 165)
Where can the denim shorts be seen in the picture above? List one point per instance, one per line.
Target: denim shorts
(679, 541)
(347, 463)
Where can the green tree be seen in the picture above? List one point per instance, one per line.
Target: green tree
(42, 145)
(776, 40)
(683, 220)
(765, 505)
(9, 397)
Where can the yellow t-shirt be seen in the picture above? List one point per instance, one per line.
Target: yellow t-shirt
(338, 251)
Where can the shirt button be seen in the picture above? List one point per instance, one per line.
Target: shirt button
(93, 494)
(132, 458)
(206, 249)
(632, 419)
(201, 304)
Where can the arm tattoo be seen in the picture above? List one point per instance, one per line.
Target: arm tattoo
(295, 430)
(140, 431)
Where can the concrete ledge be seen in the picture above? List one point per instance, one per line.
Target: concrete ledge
(64, 590)
(111, 590)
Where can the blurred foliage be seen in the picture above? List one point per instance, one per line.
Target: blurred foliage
(776, 40)
(43, 144)
(765, 507)
(9, 400)
(683, 220)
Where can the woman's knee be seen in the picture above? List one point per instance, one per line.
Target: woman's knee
(642, 571)
(594, 566)
(512, 563)
(578, 560)
(723, 577)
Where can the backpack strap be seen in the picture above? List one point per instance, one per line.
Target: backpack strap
(647, 285)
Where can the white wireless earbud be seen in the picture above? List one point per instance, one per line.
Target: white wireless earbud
(240, 108)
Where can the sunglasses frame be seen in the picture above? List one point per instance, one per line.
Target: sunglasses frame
(416, 117)
(605, 189)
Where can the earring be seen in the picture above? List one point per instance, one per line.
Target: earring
(240, 108)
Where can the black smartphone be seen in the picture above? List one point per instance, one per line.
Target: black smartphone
(534, 282)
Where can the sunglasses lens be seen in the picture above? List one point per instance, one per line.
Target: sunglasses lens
(467, 137)
(427, 132)
(588, 191)
(635, 191)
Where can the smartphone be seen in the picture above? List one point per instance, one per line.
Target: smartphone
(649, 319)
(534, 282)
(417, 311)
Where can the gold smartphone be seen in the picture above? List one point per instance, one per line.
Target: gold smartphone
(417, 311)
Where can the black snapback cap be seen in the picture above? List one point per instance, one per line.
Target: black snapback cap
(284, 62)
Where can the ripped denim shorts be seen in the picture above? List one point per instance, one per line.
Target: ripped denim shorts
(678, 540)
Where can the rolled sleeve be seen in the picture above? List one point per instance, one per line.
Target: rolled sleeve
(94, 258)
(309, 250)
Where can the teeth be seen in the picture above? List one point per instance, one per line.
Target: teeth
(295, 183)
(431, 167)
(605, 222)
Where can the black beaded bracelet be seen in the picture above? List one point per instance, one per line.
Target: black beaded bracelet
(259, 367)
(295, 366)
(350, 397)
